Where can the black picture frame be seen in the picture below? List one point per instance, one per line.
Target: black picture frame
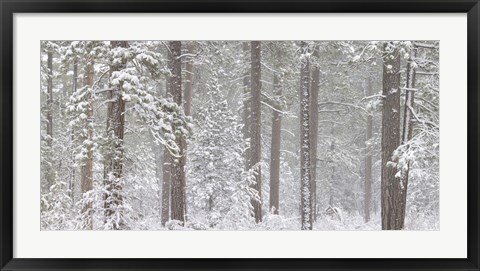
(9, 7)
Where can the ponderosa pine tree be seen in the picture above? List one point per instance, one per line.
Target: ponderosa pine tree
(50, 175)
(390, 183)
(368, 157)
(314, 90)
(256, 125)
(276, 136)
(246, 106)
(407, 132)
(177, 166)
(86, 171)
(115, 132)
(305, 139)
(166, 179)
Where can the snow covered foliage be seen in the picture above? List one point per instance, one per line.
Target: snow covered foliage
(218, 189)
(112, 115)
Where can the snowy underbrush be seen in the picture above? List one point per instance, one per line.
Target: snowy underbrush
(343, 221)
(278, 222)
(347, 222)
(416, 221)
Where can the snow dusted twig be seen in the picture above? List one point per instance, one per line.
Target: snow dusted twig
(373, 96)
(422, 121)
(274, 109)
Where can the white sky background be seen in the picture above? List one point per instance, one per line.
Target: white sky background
(450, 241)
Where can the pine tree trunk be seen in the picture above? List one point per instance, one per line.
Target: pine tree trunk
(50, 172)
(86, 171)
(275, 149)
(115, 133)
(390, 185)
(166, 174)
(256, 125)
(177, 167)
(368, 159)
(72, 135)
(315, 88)
(305, 141)
(407, 129)
(246, 107)
(189, 80)
(166, 186)
(187, 104)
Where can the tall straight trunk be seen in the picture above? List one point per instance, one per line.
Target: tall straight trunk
(187, 104)
(407, 129)
(115, 134)
(256, 126)
(315, 88)
(166, 174)
(72, 134)
(177, 167)
(246, 107)
(86, 171)
(166, 185)
(390, 184)
(50, 172)
(275, 147)
(368, 158)
(189, 79)
(305, 141)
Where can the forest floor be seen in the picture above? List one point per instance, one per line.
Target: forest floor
(342, 222)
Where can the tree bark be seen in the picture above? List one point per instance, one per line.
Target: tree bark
(390, 184)
(86, 171)
(115, 134)
(189, 79)
(166, 186)
(368, 158)
(256, 125)
(275, 146)
(187, 104)
(305, 141)
(72, 135)
(177, 167)
(315, 88)
(407, 129)
(246, 107)
(50, 172)
(166, 174)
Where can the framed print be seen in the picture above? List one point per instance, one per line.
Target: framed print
(178, 135)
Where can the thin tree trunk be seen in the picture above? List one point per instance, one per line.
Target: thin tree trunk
(368, 159)
(86, 171)
(407, 129)
(275, 147)
(187, 103)
(166, 174)
(305, 141)
(315, 88)
(115, 133)
(390, 184)
(166, 183)
(177, 167)
(256, 126)
(189, 80)
(246, 107)
(72, 134)
(50, 172)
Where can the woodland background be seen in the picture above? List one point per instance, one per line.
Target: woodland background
(240, 135)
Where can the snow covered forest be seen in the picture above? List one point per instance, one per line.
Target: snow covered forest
(240, 135)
